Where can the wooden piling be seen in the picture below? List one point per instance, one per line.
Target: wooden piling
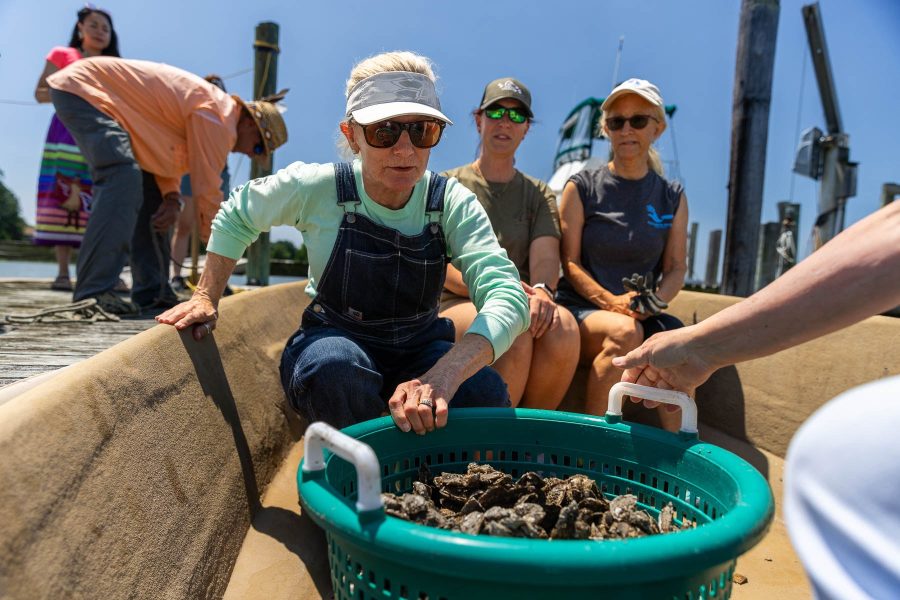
(692, 250)
(749, 133)
(264, 81)
(712, 259)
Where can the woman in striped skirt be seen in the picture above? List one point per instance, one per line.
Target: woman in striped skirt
(64, 184)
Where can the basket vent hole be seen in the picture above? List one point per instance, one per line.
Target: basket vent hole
(515, 455)
(372, 578)
(713, 588)
(423, 596)
(540, 458)
(714, 512)
(503, 455)
(706, 507)
(352, 486)
(417, 461)
(631, 474)
(677, 495)
(528, 457)
(641, 497)
(579, 462)
(397, 467)
(405, 464)
(464, 455)
(592, 465)
(476, 456)
(567, 461)
(643, 478)
(618, 470)
(386, 470)
(666, 486)
(397, 486)
(653, 501)
(453, 457)
(616, 489)
(488, 455)
(440, 458)
(359, 571)
(655, 483)
(603, 488)
(386, 586)
(404, 592)
(352, 587)
(606, 468)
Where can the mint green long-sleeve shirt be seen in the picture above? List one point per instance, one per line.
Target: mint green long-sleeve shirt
(304, 196)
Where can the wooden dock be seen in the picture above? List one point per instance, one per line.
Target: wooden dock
(27, 350)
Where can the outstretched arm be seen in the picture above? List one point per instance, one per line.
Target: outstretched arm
(853, 276)
(202, 308)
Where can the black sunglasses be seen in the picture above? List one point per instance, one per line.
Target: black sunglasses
(422, 134)
(636, 122)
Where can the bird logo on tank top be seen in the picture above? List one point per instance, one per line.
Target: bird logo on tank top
(658, 221)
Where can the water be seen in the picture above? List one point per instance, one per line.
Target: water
(47, 270)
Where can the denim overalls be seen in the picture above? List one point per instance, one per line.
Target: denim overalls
(374, 321)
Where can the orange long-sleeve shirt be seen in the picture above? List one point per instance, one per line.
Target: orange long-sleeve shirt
(177, 121)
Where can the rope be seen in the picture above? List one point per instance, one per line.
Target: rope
(266, 46)
(265, 77)
(85, 311)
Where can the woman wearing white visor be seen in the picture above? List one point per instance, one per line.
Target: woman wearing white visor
(379, 232)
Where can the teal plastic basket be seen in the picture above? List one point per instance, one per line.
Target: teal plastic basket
(374, 556)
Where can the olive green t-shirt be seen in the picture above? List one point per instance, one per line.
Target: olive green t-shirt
(520, 211)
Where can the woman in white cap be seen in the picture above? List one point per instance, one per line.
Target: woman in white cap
(378, 231)
(539, 366)
(622, 219)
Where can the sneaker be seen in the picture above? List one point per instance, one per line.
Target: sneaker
(165, 303)
(178, 284)
(121, 287)
(117, 305)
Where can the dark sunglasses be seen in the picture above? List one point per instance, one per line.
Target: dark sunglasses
(516, 115)
(422, 134)
(636, 122)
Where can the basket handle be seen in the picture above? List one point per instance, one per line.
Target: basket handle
(321, 435)
(687, 404)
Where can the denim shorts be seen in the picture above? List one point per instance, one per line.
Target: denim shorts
(581, 309)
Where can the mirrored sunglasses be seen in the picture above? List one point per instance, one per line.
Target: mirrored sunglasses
(422, 134)
(636, 122)
(516, 115)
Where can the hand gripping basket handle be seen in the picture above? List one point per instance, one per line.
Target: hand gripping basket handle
(320, 435)
(687, 404)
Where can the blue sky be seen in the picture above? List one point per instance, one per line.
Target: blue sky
(563, 50)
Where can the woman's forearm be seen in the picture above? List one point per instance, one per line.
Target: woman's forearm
(215, 276)
(586, 286)
(454, 282)
(465, 359)
(672, 282)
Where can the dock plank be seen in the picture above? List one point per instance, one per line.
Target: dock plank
(32, 349)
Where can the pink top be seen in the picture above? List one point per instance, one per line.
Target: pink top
(63, 56)
(177, 122)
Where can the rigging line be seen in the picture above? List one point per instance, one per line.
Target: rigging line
(236, 73)
(799, 113)
(20, 102)
(675, 152)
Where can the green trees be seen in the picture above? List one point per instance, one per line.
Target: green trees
(12, 227)
(285, 250)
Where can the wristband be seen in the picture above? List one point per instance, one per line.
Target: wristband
(543, 286)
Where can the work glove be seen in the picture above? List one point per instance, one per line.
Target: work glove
(646, 301)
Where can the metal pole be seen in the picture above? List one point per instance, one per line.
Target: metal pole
(264, 76)
(749, 134)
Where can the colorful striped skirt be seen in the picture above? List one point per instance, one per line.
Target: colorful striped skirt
(64, 190)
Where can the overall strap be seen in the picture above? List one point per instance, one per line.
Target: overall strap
(345, 183)
(434, 197)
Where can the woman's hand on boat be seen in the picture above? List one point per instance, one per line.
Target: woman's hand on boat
(420, 404)
(668, 361)
(199, 312)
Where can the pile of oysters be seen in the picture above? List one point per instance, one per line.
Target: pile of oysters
(487, 501)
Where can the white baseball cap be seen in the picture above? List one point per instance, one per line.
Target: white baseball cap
(641, 87)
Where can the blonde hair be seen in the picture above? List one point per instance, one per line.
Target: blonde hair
(402, 60)
(654, 161)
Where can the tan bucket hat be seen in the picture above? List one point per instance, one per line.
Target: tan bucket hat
(268, 118)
